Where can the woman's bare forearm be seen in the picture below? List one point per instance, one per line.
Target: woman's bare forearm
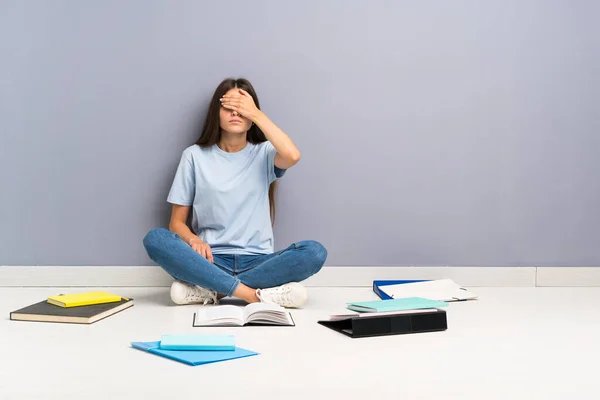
(183, 231)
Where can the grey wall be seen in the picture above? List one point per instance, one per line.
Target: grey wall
(432, 132)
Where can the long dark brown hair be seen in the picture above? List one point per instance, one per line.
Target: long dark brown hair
(211, 131)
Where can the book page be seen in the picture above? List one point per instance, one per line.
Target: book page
(270, 314)
(217, 314)
(257, 307)
(335, 317)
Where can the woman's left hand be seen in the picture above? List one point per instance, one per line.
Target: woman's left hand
(242, 103)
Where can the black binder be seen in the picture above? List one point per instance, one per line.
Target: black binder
(380, 325)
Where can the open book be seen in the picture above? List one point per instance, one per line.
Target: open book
(252, 314)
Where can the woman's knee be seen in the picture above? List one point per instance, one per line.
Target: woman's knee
(154, 238)
(315, 251)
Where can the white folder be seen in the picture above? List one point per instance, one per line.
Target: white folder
(441, 289)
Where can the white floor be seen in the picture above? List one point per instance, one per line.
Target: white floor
(519, 343)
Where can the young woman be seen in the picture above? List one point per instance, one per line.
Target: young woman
(227, 181)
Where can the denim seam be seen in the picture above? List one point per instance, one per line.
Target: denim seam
(233, 287)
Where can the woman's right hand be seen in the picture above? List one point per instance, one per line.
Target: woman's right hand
(202, 248)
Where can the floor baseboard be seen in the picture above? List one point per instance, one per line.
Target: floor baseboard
(568, 276)
(132, 276)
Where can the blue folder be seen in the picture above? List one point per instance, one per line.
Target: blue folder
(379, 284)
(193, 357)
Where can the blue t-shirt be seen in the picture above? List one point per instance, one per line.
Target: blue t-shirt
(229, 195)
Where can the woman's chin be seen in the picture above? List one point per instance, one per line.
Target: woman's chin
(236, 130)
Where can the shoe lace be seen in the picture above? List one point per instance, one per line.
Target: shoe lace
(197, 293)
(279, 295)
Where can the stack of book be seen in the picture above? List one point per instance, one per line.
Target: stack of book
(390, 317)
(406, 306)
(196, 349)
(76, 308)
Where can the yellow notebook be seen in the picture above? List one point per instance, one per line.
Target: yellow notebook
(83, 299)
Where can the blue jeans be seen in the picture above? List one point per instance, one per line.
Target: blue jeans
(293, 264)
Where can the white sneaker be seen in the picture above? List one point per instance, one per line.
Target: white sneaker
(185, 293)
(290, 295)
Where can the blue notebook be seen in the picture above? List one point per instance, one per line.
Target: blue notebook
(198, 342)
(379, 286)
(408, 303)
(192, 357)
(437, 289)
